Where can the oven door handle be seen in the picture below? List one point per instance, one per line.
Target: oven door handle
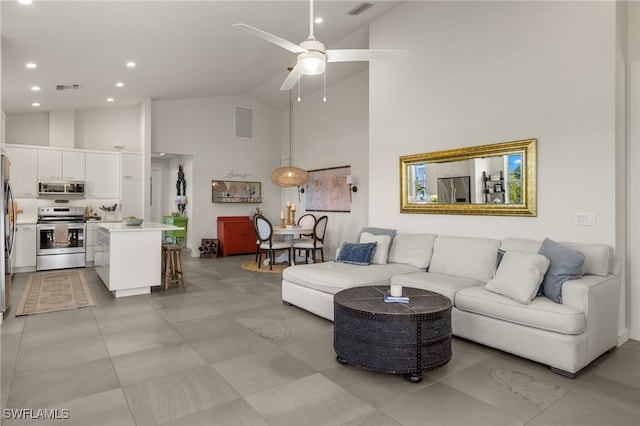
(46, 226)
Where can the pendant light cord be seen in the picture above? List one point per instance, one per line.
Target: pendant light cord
(290, 128)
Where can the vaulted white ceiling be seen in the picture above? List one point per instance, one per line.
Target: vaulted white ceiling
(182, 49)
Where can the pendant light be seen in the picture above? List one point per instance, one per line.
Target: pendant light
(290, 175)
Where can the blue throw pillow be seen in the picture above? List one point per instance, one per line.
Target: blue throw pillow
(566, 264)
(356, 254)
(377, 231)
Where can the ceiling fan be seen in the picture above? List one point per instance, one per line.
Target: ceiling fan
(312, 55)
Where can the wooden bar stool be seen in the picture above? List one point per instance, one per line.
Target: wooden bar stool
(172, 266)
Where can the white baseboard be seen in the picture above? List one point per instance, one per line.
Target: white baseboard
(623, 336)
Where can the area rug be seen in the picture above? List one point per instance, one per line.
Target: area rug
(54, 291)
(252, 265)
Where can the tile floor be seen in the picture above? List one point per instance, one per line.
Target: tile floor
(226, 351)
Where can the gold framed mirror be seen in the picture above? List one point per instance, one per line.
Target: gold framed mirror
(497, 180)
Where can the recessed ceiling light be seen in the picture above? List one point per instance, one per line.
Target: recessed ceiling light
(109, 99)
(319, 20)
(131, 64)
(119, 84)
(35, 104)
(25, 1)
(31, 65)
(35, 88)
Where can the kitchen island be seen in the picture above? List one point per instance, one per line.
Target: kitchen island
(128, 258)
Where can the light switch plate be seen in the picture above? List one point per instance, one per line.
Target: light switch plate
(586, 219)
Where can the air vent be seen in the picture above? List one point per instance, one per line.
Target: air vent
(359, 9)
(244, 118)
(61, 87)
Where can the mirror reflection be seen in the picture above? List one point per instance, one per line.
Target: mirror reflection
(497, 179)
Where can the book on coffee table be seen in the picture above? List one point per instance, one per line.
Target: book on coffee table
(395, 299)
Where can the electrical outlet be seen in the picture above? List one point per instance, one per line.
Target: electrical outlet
(586, 219)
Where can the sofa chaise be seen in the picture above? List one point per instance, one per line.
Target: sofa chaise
(489, 302)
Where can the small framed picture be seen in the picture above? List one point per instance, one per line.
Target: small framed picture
(497, 187)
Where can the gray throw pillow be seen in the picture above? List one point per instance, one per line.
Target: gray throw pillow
(377, 231)
(566, 264)
(356, 254)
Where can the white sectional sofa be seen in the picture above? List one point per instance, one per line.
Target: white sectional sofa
(566, 336)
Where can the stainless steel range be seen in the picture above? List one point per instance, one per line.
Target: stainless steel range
(61, 235)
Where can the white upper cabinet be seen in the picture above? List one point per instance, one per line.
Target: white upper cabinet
(73, 165)
(131, 166)
(131, 185)
(102, 175)
(23, 164)
(56, 164)
(49, 164)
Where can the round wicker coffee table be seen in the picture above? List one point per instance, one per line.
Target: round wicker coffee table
(399, 338)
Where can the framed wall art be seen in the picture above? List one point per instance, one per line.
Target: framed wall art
(232, 191)
(328, 191)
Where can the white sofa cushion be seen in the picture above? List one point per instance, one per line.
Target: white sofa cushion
(412, 249)
(447, 285)
(331, 277)
(465, 257)
(598, 258)
(519, 275)
(541, 313)
(383, 242)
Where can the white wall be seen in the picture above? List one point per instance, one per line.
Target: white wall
(332, 134)
(204, 128)
(500, 71)
(632, 160)
(97, 129)
(28, 129)
(328, 134)
(490, 72)
(102, 128)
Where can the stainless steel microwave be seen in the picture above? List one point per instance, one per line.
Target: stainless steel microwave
(61, 187)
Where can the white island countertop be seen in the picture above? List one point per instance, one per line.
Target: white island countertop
(146, 226)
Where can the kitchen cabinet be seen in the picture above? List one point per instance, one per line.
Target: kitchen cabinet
(24, 251)
(102, 172)
(121, 272)
(236, 235)
(24, 179)
(131, 166)
(131, 185)
(54, 164)
(90, 240)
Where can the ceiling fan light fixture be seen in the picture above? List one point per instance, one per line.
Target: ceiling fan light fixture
(312, 63)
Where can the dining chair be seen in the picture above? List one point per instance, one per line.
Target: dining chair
(264, 231)
(315, 243)
(255, 229)
(307, 220)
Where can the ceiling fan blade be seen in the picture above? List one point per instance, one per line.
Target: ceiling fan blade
(348, 55)
(278, 41)
(292, 79)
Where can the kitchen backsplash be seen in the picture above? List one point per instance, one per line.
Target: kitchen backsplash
(29, 207)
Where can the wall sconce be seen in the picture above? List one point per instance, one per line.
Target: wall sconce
(352, 187)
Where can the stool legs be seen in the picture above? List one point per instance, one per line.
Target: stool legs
(172, 265)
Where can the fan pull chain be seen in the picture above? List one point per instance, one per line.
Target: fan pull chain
(299, 84)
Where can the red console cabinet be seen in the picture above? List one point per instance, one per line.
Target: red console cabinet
(236, 235)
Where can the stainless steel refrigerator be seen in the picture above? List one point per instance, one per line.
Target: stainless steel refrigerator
(454, 190)
(8, 232)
